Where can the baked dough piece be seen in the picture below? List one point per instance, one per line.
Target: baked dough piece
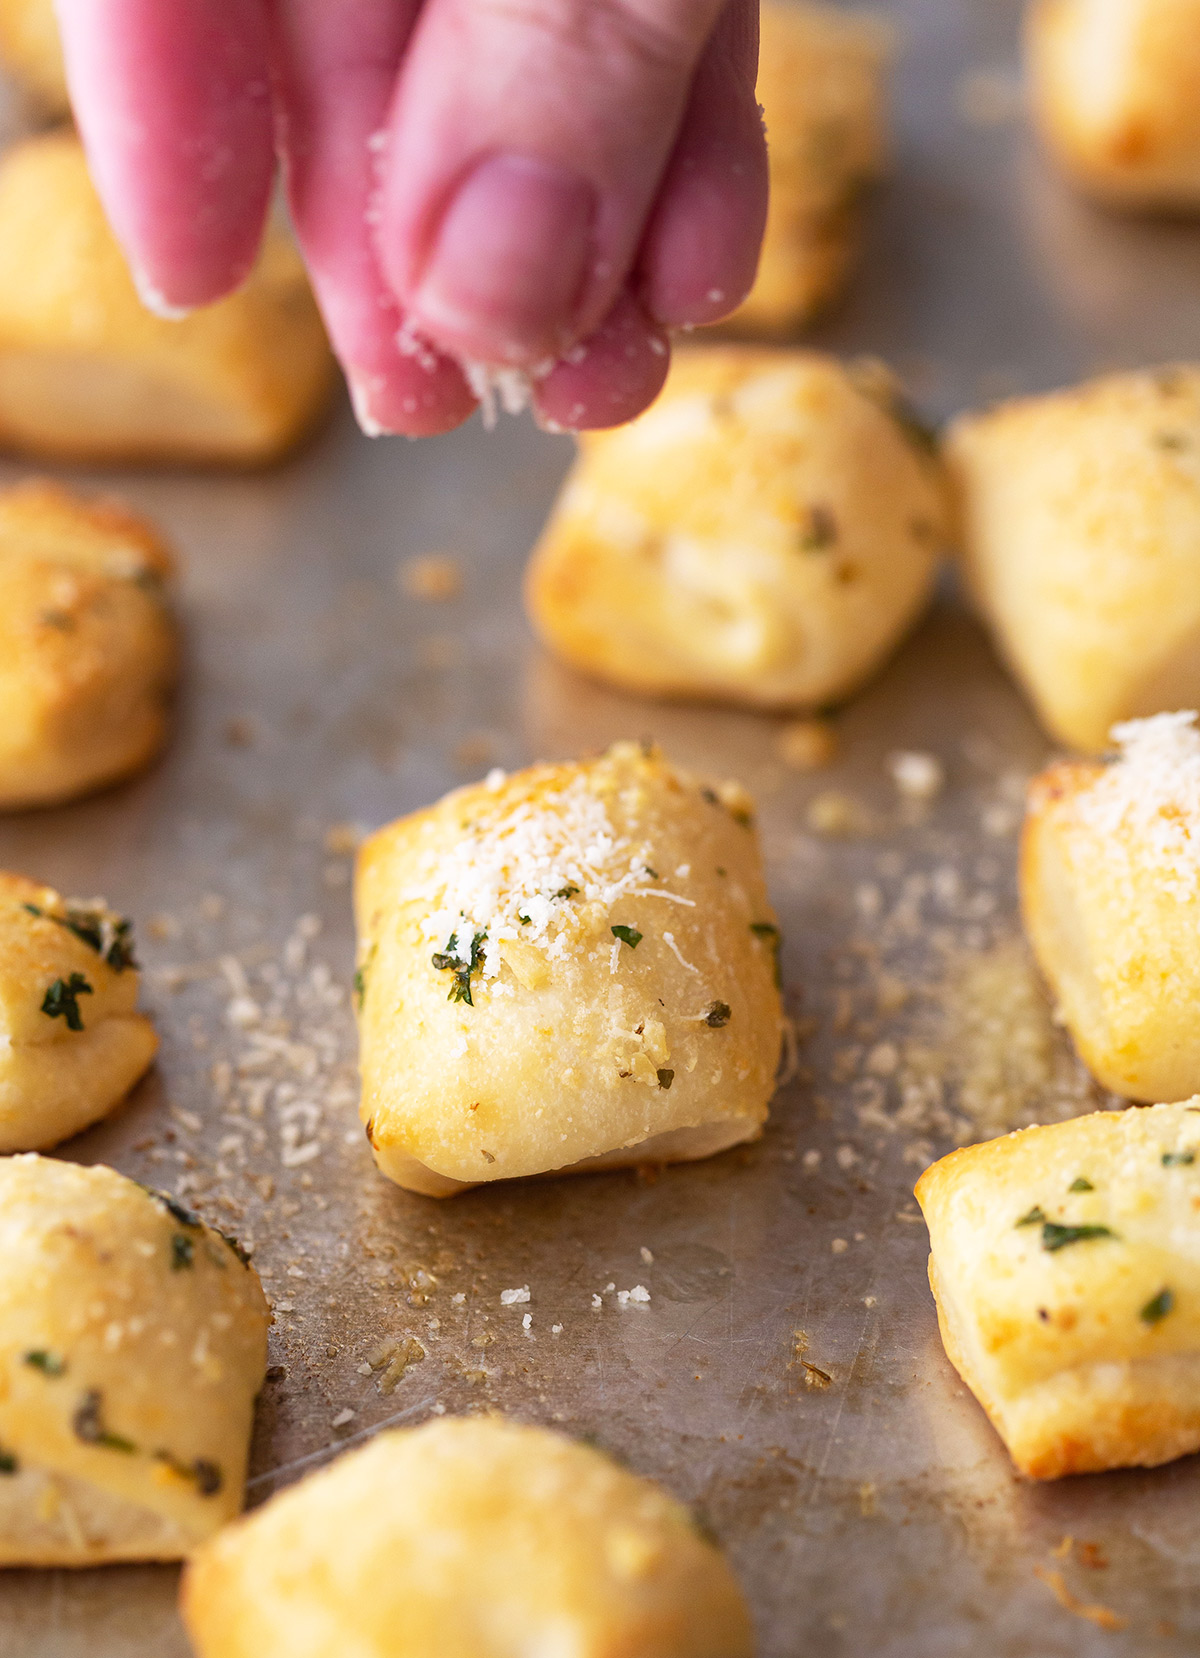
(86, 372)
(72, 1043)
(1081, 529)
(632, 1018)
(1110, 891)
(30, 50)
(133, 1340)
(467, 1538)
(1116, 93)
(764, 534)
(87, 645)
(1065, 1262)
(820, 83)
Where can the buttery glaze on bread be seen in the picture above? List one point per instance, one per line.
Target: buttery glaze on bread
(133, 1340)
(1080, 520)
(1065, 1261)
(88, 649)
(1110, 895)
(467, 1538)
(87, 373)
(764, 534)
(570, 967)
(72, 1043)
(1116, 93)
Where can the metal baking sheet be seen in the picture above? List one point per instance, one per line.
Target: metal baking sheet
(786, 1375)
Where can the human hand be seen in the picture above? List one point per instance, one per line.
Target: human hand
(500, 182)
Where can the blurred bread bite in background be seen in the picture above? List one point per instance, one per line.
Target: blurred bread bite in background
(31, 53)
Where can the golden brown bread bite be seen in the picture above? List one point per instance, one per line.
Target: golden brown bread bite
(72, 1043)
(570, 967)
(1080, 519)
(133, 1340)
(30, 50)
(88, 650)
(1110, 894)
(1065, 1261)
(764, 534)
(821, 86)
(87, 373)
(1116, 93)
(466, 1538)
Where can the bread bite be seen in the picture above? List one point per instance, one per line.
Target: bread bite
(133, 1340)
(1080, 521)
(31, 52)
(1116, 93)
(1065, 1262)
(1110, 895)
(88, 650)
(72, 1043)
(88, 373)
(467, 1538)
(821, 86)
(764, 534)
(572, 967)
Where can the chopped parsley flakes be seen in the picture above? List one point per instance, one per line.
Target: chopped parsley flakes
(627, 935)
(88, 1424)
(8, 1463)
(448, 960)
(50, 1364)
(110, 936)
(61, 1001)
(1177, 1159)
(1055, 1236)
(1081, 1184)
(1033, 1218)
(182, 1251)
(717, 1014)
(1158, 1307)
(205, 1475)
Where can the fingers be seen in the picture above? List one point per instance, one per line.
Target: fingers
(525, 147)
(608, 378)
(173, 104)
(700, 252)
(336, 69)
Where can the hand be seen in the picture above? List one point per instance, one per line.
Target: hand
(506, 182)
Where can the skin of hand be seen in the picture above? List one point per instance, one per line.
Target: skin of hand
(538, 185)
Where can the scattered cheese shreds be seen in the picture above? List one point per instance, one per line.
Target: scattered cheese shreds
(1146, 805)
(514, 1298)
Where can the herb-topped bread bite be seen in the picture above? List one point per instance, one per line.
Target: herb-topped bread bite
(88, 649)
(30, 50)
(72, 1043)
(88, 373)
(765, 534)
(133, 1341)
(1080, 516)
(1065, 1262)
(1110, 895)
(1116, 93)
(820, 83)
(570, 967)
(468, 1538)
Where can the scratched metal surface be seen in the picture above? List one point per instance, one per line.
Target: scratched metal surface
(876, 1514)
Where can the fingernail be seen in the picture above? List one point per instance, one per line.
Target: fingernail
(504, 276)
(364, 388)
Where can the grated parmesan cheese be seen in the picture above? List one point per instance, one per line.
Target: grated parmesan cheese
(1146, 805)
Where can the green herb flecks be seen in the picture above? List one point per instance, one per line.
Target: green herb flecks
(1081, 1184)
(88, 1423)
(360, 977)
(665, 1078)
(1055, 1236)
(717, 1014)
(205, 1475)
(770, 932)
(627, 935)
(239, 1249)
(568, 891)
(1157, 1307)
(41, 1358)
(448, 960)
(61, 1001)
(8, 1463)
(819, 532)
(110, 936)
(1177, 1159)
(177, 1211)
(1034, 1218)
(182, 1252)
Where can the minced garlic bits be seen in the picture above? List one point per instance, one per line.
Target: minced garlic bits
(1065, 1261)
(1081, 527)
(133, 1340)
(820, 83)
(1116, 91)
(72, 1043)
(88, 373)
(570, 967)
(88, 649)
(1110, 893)
(764, 534)
(467, 1538)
